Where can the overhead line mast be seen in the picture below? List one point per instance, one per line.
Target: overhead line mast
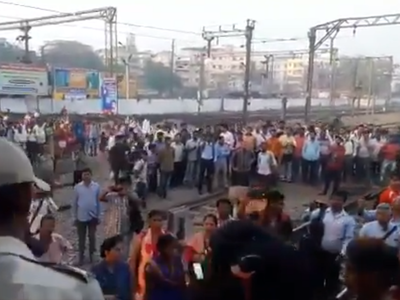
(107, 14)
(331, 29)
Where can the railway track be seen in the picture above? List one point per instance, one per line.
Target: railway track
(187, 219)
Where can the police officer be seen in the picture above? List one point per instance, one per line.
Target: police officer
(22, 276)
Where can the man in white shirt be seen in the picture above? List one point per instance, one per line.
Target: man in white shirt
(228, 137)
(179, 168)
(192, 151)
(140, 177)
(266, 168)
(363, 160)
(349, 157)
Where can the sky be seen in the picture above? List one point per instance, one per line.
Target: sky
(274, 20)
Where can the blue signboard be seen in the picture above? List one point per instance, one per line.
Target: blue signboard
(80, 81)
(109, 95)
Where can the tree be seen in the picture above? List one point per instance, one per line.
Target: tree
(10, 53)
(71, 54)
(160, 78)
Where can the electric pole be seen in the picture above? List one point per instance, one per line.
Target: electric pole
(25, 37)
(249, 38)
(172, 65)
(247, 32)
(332, 62)
(200, 95)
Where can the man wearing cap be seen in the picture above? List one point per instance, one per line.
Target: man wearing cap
(22, 276)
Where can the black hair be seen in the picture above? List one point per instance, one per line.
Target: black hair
(110, 243)
(155, 213)
(48, 217)
(86, 170)
(164, 241)
(223, 201)
(274, 196)
(343, 195)
(15, 200)
(211, 216)
(373, 255)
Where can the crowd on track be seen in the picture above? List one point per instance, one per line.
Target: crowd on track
(245, 250)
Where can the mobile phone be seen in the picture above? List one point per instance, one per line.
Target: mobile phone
(198, 271)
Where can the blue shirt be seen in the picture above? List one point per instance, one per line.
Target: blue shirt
(374, 230)
(116, 282)
(311, 150)
(79, 130)
(370, 215)
(208, 151)
(221, 151)
(338, 230)
(86, 205)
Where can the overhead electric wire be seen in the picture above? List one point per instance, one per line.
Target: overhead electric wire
(121, 23)
(100, 29)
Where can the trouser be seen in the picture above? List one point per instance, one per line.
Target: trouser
(206, 173)
(329, 271)
(331, 177)
(221, 172)
(286, 166)
(86, 228)
(267, 181)
(309, 171)
(141, 190)
(191, 172)
(241, 178)
(363, 169)
(348, 171)
(296, 168)
(165, 179)
(152, 178)
(177, 174)
(32, 151)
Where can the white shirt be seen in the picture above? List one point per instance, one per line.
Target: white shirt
(140, 167)
(265, 162)
(32, 135)
(228, 138)
(376, 147)
(178, 148)
(261, 138)
(111, 142)
(364, 147)
(349, 148)
(40, 134)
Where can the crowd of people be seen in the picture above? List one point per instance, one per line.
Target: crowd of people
(243, 251)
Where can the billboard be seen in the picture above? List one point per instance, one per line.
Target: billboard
(70, 83)
(21, 79)
(109, 95)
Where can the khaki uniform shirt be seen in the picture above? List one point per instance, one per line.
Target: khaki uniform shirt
(23, 278)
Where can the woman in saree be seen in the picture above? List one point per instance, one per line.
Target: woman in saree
(197, 247)
(165, 275)
(143, 248)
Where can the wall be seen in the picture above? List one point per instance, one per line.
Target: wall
(157, 106)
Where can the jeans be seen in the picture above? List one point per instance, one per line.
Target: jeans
(86, 228)
(191, 172)
(165, 178)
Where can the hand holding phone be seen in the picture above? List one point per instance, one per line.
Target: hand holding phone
(198, 271)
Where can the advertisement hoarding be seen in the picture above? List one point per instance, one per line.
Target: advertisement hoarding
(70, 83)
(109, 95)
(21, 79)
